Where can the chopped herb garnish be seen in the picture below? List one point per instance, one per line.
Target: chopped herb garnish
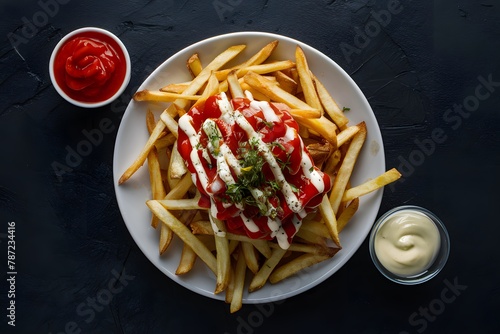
(284, 164)
(294, 188)
(276, 144)
(346, 109)
(252, 179)
(270, 125)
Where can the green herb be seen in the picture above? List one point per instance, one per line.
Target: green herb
(213, 134)
(276, 144)
(270, 125)
(294, 188)
(252, 178)
(345, 109)
(284, 164)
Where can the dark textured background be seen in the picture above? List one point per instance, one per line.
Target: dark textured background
(71, 239)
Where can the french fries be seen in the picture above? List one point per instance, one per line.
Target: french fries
(174, 200)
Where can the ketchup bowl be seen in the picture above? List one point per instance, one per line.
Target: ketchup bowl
(90, 67)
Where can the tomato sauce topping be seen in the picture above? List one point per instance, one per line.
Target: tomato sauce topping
(251, 166)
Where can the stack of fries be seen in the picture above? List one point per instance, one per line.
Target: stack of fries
(332, 142)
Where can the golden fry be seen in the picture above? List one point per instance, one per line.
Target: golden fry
(346, 168)
(193, 65)
(347, 214)
(372, 185)
(306, 81)
(186, 263)
(295, 265)
(267, 268)
(161, 96)
(184, 233)
(223, 257)
(239, 283)
(330, 220)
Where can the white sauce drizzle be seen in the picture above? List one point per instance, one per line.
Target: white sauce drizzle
(269, 114)
(227, 160)
(249, 223)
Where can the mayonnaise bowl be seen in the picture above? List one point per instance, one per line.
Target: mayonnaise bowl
(409, 245)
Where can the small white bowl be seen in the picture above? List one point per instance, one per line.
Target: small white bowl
(86, 104)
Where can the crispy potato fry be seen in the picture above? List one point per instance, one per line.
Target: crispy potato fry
(285, 82)
(161, 96)
(329, 219)
(345, 135)
(255, 93)
(305, 248)
(157, 187)
(267, 268)
(201, 227)
(186, 263)
(233, 244)
(329, 104)
(151, 124)
(234, 85)
(345, 170)
(223, 257)
(181, 204)
(257, 58)
(165, 142)
(332, 163)
(239, 283)
(265, 68)
(178, 88)
(208, 241)
(194, 66)
(183, 232)
(324, 127)
(169, 121)
(347, 214)
(372, 185)
(198, 82)
(250, 256)
(212, 88)
(311, 237)
(180, 189)
(230, 287)
(306, 80)
(166, 235)
(311, 113)
(316, 227)
(274, 92)
(297, 264)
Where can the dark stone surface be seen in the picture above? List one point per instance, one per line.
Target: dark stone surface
(70, 237)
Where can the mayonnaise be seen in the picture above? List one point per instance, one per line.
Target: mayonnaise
(407, 242)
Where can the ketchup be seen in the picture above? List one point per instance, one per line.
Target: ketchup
(90, 67)
(251, 166)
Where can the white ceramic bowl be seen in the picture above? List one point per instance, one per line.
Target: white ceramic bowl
(75, 101)
(132, 135)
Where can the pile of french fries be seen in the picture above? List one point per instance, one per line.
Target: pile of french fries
(332, 142)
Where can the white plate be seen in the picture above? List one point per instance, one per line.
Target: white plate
(132, 195)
